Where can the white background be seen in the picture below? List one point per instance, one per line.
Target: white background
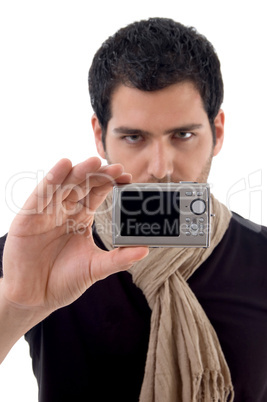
(45, 52)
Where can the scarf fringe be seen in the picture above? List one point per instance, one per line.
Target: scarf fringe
(210, 387)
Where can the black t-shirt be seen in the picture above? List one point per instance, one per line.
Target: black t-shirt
(95, 349)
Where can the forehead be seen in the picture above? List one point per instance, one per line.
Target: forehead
(181, 101)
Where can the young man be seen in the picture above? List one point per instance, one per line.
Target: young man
(181, 325)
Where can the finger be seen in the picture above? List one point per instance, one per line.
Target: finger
(82, 206)
(120, 259)
(43, 193)
(75, 187)
(125, 178)
(80, 172)
(68, 201)
(98, 194)
(103, 179)
(63, 186)
(76, 177)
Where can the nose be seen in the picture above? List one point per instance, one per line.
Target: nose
(160, 161)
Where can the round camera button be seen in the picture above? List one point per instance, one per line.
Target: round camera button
(198, 207)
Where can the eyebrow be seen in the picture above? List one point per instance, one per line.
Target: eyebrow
(137, 131)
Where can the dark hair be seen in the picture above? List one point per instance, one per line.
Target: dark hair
(150, 55)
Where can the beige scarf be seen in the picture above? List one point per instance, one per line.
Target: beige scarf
(184, 360)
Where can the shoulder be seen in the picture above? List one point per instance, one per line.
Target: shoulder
(244, 249)
(246, 230)
(247, 225)
(236, 270)
(243, 239)
(240, 259)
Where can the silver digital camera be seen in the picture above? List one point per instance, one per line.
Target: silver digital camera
(161, 215)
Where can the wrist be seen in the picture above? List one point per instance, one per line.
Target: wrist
(15, 321)
(21, 312)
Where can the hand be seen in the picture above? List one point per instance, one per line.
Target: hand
(47, 264)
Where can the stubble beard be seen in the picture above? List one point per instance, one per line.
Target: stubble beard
(203, 177)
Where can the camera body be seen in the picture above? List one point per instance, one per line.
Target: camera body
(161, 215)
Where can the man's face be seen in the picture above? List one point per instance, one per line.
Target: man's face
(160, 136)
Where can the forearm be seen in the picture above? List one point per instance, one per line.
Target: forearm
(15, 321)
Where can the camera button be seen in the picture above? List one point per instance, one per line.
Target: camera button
(194, 229)
(198, 207)
(194, 233)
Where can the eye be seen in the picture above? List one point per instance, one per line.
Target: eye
(132, 139)
(184, 135)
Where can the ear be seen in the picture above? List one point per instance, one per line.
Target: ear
(219, 131)
(98, 136)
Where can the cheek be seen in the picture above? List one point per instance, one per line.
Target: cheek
(132, 162)
(190, 166)
(113, 151)
(204, 150)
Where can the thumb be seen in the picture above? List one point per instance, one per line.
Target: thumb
(120, 259)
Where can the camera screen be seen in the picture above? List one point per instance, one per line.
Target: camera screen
(150, 213)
